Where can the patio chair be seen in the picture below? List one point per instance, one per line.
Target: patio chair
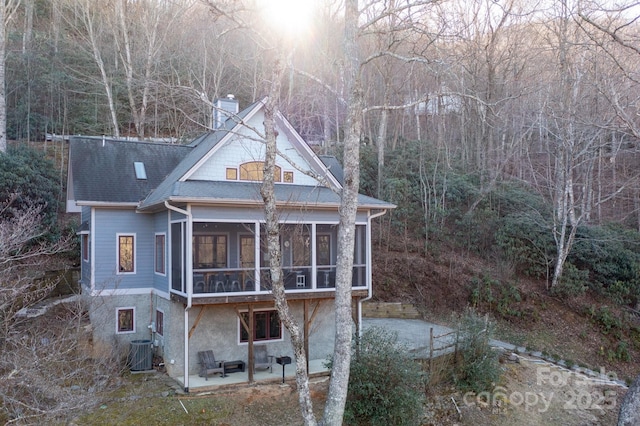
(198, 283)
(209, 365)
(234, 282)
(249, 285)
(262, 360)
(217, 281)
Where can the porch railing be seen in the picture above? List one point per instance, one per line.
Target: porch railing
(234, 280)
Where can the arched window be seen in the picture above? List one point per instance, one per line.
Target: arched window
(254, 170)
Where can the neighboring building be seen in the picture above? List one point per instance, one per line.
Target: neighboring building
(173, 247)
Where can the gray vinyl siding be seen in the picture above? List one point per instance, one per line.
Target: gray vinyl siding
(110, 223)
(175, 216)
(161, 282)
(85, 267)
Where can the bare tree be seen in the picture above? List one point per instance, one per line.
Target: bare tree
(7, 9)
(143, 28)
(45, 371)
(88, 20)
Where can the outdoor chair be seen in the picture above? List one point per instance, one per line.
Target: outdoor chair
(234, 282)
(262, 360)
(198, 283)
(209, 365)
(217, 281)
(249, 285)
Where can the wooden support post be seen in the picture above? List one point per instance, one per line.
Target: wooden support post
(250, 358)
(306, 331)
(430, 349)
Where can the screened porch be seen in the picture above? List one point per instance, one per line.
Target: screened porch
(231, 258)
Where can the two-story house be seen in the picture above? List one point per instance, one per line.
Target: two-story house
(173, 241)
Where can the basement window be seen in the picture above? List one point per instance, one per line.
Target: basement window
(266, 324)
(141, 173)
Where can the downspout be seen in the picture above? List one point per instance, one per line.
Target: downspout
(189, 283)
(369, 260)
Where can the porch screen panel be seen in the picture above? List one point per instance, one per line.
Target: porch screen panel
(247, 251)
(209, 251)
(323, 249)
(297, 245)
(177, 266)
(360, 257)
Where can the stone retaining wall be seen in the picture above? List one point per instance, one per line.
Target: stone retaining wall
(390, 310)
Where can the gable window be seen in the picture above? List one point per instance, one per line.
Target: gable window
(232, 173)
(126, 253)
(125, 320)
(159, 322)
(287, 177)
(266, 324)
(254, 171)
(209, 251)
(85, 247)
(160, 254)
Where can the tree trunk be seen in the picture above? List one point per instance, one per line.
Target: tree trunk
(337, 397)
(273, 245)
(382, 138)
(88, 16)
(629, 414)
(3, 102)
(28, 26)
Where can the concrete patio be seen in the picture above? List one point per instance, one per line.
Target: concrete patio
(199, 384)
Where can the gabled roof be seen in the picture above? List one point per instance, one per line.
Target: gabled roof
(332, 164)
(101, 172)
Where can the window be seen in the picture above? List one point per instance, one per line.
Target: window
(266, 324)
(85, 247)
(323, 249)
(126, 254)
(287, 177)
(232, 174)
(209, 251)
(159, 322)
(125, 320)
(255, 171)
(160, 254)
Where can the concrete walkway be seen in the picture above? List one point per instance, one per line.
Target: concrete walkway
(414, 335)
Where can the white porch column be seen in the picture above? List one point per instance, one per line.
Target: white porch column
(256, 266)
(189, 272)
(314, 266)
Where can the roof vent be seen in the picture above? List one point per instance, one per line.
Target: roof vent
(141, 172)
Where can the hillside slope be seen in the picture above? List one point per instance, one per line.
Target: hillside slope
(590, 331)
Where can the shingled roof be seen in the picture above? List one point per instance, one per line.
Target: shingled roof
(103, 171)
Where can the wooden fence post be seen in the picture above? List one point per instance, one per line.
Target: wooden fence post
(430, 349)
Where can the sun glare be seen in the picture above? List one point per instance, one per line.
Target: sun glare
(289, 16)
